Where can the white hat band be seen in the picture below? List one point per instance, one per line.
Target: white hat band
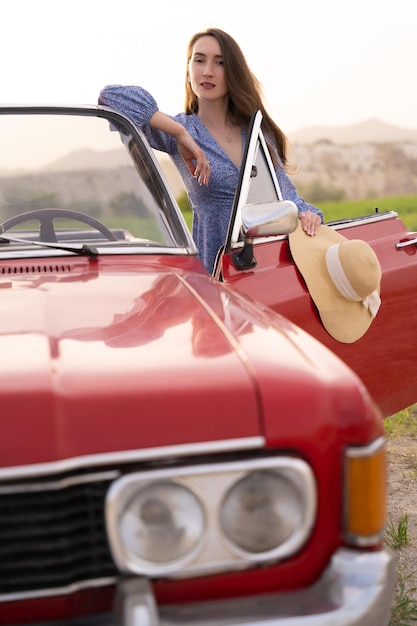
(342, 284)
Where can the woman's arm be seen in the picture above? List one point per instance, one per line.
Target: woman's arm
(187, 147)
(141, 107)
(310, 216)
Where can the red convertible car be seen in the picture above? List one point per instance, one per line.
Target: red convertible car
(263, 267)
(178, 448)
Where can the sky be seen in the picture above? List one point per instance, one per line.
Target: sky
(320, 62)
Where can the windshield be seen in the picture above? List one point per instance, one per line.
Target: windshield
(85, 178)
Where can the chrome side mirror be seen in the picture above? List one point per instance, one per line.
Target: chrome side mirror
(267, 219)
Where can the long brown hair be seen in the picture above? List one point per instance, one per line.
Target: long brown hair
(245, 92)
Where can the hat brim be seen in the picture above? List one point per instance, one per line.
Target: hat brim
(345, 320)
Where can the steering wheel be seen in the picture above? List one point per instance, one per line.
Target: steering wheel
(46, 219)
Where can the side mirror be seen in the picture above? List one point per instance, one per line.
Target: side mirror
(268, 219)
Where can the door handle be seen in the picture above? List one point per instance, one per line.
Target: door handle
(403, 244)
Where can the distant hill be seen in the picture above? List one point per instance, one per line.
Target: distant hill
(368, 131)
(367, 159)
(363, 160)
(361, 170)
(89, 160)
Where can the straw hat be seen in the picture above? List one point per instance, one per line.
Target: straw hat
(343, 277)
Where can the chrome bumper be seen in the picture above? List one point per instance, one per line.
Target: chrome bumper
(355, 590)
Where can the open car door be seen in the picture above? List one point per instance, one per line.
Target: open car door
(257, 260)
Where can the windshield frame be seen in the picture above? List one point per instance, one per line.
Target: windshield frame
(139, 150)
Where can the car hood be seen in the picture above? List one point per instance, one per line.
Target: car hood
(96, 362)
(105, 361)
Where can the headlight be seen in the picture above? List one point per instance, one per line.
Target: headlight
(261, 512)
(207, 518)
(160, 523)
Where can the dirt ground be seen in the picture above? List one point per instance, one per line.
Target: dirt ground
(402, 501)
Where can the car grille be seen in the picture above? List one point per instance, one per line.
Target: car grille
(52, 533)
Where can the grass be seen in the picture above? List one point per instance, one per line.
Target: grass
(396, 535)
(401, 426)
(404, 611)
(405, 206)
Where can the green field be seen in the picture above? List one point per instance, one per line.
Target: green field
(405, 206)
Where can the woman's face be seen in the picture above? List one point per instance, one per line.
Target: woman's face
(206, 69)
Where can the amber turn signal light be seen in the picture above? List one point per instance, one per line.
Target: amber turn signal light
(365, 493)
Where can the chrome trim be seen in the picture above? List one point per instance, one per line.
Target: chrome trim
(55, 485)
(135, 603)
(359, 221)
(359, 452)
(58, 591)
(215, 551)
(125, 250)
(404, 244)
(129, 456)
(365, 542)
(354, 221)
(356, 589)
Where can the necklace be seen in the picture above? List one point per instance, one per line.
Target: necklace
(227, 137)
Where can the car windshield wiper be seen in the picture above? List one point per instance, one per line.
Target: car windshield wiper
(80, 249)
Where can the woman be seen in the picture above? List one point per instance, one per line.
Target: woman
(206, 142)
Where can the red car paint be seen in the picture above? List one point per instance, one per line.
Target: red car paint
(123, 359)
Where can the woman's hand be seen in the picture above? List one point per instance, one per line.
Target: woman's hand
(309, 222)
(194, 157)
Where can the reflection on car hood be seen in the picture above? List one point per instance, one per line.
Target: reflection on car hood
(89, 356)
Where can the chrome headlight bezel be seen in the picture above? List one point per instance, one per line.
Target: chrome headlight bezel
(211, 486)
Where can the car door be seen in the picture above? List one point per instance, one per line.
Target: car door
(256, 259)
